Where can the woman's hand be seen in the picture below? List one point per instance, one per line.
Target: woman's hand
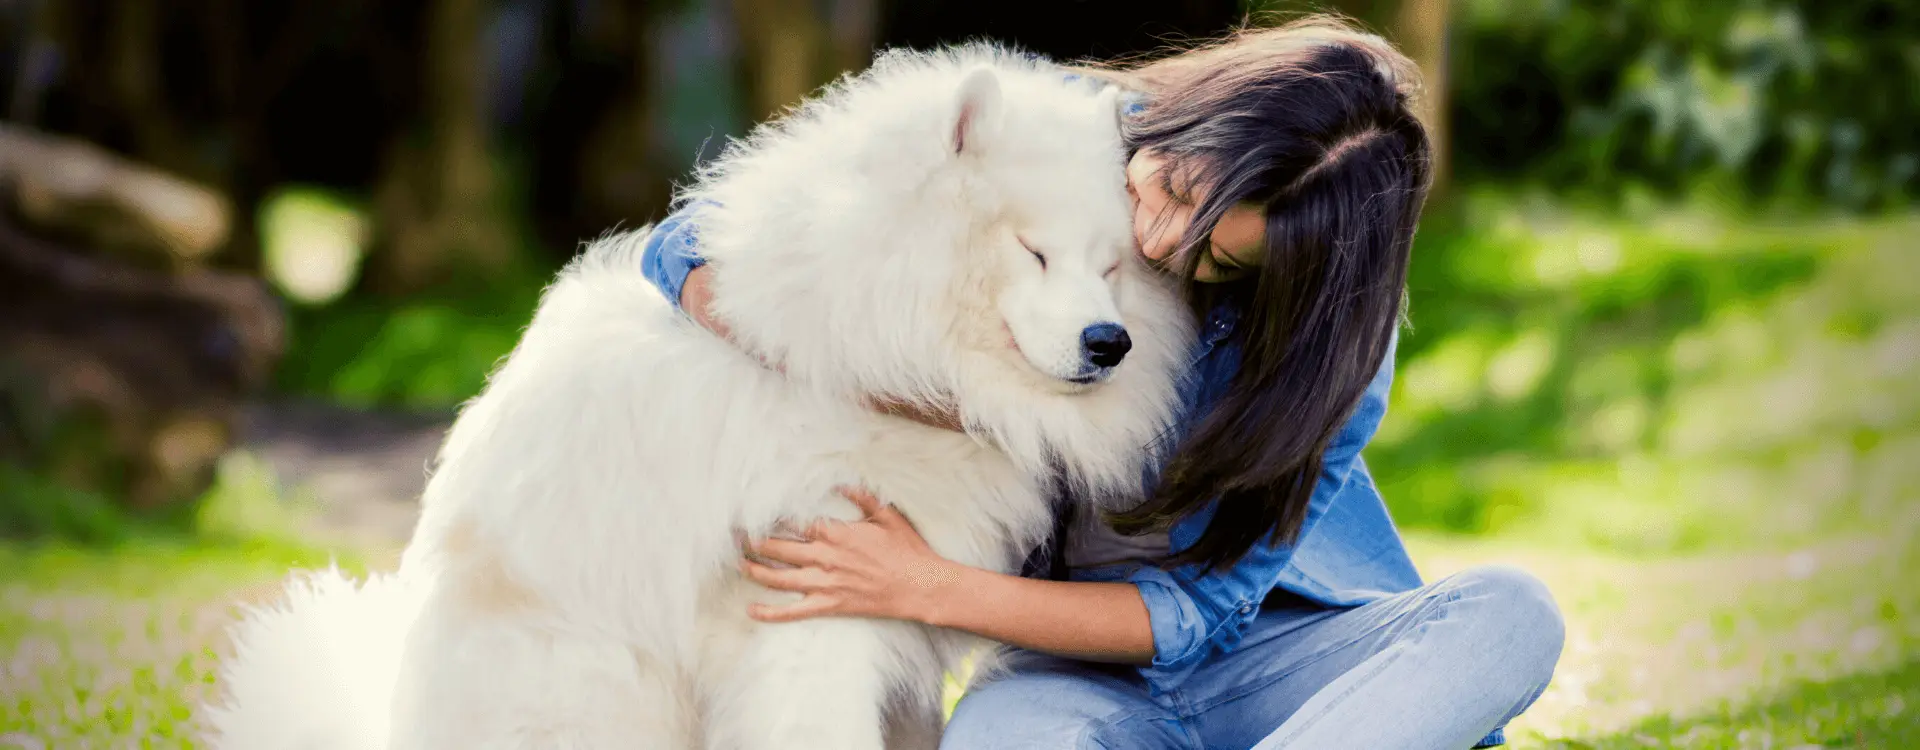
(878, 567)
(881, 567)
(696, 296)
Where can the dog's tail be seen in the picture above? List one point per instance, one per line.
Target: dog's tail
(317, 668)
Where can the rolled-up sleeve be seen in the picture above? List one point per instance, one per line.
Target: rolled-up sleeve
(1179, 627)
(671, 252)
(1195, 614)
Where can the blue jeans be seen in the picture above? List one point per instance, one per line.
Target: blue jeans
(1445, 667)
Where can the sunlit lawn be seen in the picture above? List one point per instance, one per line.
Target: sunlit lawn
(1818, 646)
(115, 649)
(1812, 647)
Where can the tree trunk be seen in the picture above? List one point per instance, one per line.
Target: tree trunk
(136, 78)
(434, 204)
(853, 30)
(228, 28)
(1420, 28)
(623, 179)
(116, 68)
(784, 53)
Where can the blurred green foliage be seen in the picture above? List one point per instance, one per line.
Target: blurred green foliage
(1657, 382)
(1746, 100)
(33, 506)
(247, 507)
(425, 353)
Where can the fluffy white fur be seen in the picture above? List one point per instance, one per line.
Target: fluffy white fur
(572, 580)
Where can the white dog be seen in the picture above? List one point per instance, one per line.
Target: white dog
(945, 223)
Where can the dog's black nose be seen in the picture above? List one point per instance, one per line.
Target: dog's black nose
(1105, 344)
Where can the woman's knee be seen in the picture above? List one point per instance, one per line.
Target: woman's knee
(1521, 614)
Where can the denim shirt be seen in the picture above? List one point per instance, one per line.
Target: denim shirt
(1348, 552)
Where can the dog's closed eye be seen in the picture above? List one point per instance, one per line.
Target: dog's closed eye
(1036, 254)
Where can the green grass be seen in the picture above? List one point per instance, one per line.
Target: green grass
(1649, 383)
(1815, 646)
(109, 621)
(1865, 710)
(429, 351)
(116, 647)
(1818, 646)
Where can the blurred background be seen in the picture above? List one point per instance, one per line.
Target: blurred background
(1665, 307)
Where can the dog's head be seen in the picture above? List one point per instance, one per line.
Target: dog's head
(1055, 234)
(951, 223)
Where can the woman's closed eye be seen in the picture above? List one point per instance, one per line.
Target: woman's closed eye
(1166, 188)
(1225, 265)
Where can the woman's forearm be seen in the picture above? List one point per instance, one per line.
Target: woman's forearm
(1105, 622)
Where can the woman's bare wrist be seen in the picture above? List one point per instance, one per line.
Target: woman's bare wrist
(951, 589)
(696, 296)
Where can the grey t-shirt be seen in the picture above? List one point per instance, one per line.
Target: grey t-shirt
(1091, 544)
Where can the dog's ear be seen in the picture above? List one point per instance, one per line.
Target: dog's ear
(1109, 101)
(977, 116)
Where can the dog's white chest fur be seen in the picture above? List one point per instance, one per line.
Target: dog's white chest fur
(624, 551)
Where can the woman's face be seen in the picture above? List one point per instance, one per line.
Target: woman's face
(1164, 202)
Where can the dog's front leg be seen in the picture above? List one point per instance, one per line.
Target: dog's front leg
(809, 685)
(475, 681)
(914, 722)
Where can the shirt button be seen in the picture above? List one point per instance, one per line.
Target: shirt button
(1246, 609)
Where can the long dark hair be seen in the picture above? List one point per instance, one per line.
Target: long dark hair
(1314, 122)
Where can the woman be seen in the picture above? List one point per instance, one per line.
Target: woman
(1261, 596)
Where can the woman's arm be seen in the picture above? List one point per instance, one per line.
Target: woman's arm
(1104, 622)
(881, 567)
(672, 262)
